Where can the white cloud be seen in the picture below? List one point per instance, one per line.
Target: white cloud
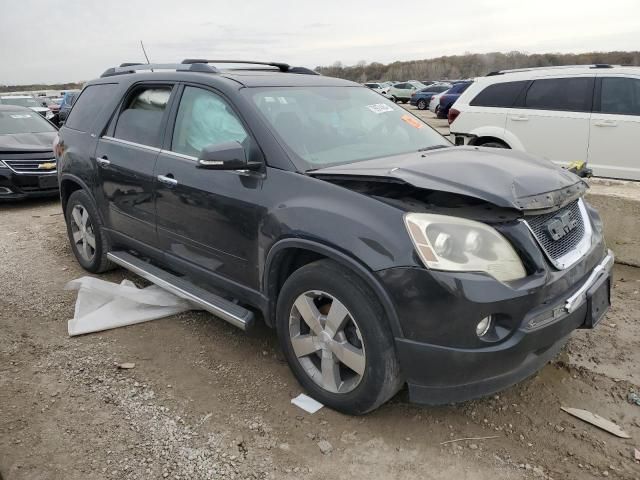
(57, 40)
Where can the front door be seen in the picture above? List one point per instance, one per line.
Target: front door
(615, 127)
(204, 217)
(126, 158)
(553, 120)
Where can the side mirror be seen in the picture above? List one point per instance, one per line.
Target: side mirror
(224, 156)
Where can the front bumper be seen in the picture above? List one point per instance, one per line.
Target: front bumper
(444, 361)
(18, 186)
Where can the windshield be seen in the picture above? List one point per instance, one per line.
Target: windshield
(21, 101)
(325, 126)
(23, 121)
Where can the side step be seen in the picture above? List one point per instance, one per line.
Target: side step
(220, 307)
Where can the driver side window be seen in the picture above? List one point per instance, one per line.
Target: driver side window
(204, 119)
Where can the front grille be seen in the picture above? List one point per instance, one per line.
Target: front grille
(32, 165)
(556, 249)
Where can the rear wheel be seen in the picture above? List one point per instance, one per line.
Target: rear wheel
(494, 144)
(334, 334)
(422, 104)
(84, 228)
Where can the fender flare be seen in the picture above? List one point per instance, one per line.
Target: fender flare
(499, 133)
(269, 273)
(83, 185)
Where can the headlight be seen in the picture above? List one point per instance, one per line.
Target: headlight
(458, 245)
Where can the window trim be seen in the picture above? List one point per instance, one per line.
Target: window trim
(109, 133)
(597, 101)
(173, 115)
(589, 106)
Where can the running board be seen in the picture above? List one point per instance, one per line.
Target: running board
(218, 306)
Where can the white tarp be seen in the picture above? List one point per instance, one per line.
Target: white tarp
(103, 305)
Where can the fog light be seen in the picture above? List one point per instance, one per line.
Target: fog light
(5, 191)
(484, 326)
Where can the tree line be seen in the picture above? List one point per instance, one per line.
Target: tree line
(469, 65)
(40, 86)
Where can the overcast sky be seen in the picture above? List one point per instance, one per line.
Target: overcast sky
(71, 40)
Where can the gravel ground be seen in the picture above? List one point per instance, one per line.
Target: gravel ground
(208, 401)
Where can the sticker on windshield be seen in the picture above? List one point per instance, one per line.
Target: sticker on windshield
(21, 115)
(380, 108)
(414, 122)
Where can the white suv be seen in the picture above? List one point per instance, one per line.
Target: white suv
(566, 114)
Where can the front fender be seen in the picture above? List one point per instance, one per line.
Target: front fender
(501, 134)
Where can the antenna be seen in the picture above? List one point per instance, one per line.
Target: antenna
(145, 53)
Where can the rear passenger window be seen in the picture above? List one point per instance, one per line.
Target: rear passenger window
(88, 105)
(204, 119)
(141, 118)
(499, 95)
(620, 95)
(568, 94)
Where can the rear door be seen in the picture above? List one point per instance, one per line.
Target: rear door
(552, 120)
(615, 128)
(126, 157)
(204, 219)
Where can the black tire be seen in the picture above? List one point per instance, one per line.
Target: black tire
(98, 262)
(437, 110)
(381, 377)
(404, 101)
(494, 144)
(422, 104)
(394, 99)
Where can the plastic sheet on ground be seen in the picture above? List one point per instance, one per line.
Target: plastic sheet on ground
(104, 305)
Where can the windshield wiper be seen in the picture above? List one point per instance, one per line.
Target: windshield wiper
(432, 147)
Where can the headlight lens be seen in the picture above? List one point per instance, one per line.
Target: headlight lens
(459, 245)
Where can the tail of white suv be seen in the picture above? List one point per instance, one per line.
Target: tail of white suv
(580, 113)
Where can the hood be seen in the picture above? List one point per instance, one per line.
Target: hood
(503, 177)
(27, 142)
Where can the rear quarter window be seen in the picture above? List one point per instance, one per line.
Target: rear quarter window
(88, 105)
(499, 95)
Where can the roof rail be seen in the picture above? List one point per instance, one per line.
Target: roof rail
(125, 68)
(551, 67)
(283, 67)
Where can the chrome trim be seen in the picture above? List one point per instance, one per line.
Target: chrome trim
(167, 180)
(578, 251)
(132, 144)
(179, 155)
(580, 296)
(5, 191)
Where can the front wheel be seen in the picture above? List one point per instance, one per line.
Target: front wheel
(334, 334)
(394, 99)
(422, 104)
(493, 145)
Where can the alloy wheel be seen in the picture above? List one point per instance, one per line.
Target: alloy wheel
(327, 341)
(83, 235)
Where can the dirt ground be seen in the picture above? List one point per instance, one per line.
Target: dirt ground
(208, 401)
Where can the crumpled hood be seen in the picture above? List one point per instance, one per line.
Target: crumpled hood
(503, 177)
(27, 142)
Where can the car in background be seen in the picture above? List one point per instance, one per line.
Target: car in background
(401, 92)
(434, 103)
(584, 113)
(28, 101)
(65, 107)
(377, 87)
(450, 96)
(27, 163)
(421, 98)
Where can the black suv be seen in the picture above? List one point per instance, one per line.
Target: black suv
(380, 253)
(27, 163)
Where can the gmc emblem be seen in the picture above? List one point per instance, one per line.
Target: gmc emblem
(559, 226)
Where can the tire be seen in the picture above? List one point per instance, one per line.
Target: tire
(363, 340)
(493, 145)
(394, 99)
(404, 101)
(437, 110)
(422, 104)
(80, 208)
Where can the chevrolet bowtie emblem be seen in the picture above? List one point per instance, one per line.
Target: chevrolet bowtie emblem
(47, 166)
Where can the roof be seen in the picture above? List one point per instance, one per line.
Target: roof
(253, 78)
(557, 71)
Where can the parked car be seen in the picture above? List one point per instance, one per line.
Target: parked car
(434, 103)
(588, 113)
(65, 107)
(401, 92)
(27, 163)
(380, 253)
(421, 98)
(377, 87)
(28, 101)
(448, 98)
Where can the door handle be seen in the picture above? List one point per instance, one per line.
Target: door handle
(103, 161)
(519, 118)
(606, 123)
(168, 180)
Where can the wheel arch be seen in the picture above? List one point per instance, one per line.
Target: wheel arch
(287, 255)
